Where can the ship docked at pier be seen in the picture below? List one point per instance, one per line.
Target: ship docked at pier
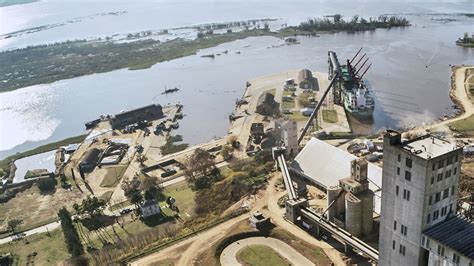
(350, 91)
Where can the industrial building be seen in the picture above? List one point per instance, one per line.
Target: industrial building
(286, 134)
(267, 105)
(306, 80)
(351, 204)
(450, 242)
(90, 160)
(420, 184)
(324, 165)
(149, 112)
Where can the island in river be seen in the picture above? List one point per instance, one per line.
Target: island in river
(48, 63)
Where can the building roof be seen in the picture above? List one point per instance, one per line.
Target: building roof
(427, 146)
(91, 156)
(457, 233)
(305, 74)
(138, 110)
(325, 165)
(148, 203)
(266, 98)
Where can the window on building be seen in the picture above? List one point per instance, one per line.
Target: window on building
(452, 190)
(393, 244)
(455, 170)
(428, 243)
(449, 161)
(404, 230)
(440, 177)
(448, 173)
(430, 200)
(402, 249)
(456, 158)
(407, 176)
(406, 194)
(433, 166)
(446, 193)
(399, 157)
(450, 207)
(437, 197)
(394, 225)
(432, 180)
(439, 249)
(398, 170)
(440, 164)
(428, 218)
(396, 190)
(422, 241)
(435, 215)
(408, 162)
(442, 251)
(456, 258)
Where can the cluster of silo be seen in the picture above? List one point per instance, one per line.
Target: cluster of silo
(367, 198)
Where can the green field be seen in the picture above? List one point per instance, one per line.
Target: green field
(286, 104)
(464, 125)
(259, 255)
(329, 116)
(50, 249)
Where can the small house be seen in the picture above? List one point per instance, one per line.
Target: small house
(149, 208)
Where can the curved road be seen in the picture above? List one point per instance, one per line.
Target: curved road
(229, 255)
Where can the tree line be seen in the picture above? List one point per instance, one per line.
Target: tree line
(355, 24)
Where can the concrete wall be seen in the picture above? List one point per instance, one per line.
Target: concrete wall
(353, 215)
(395, 208)
(447, 260)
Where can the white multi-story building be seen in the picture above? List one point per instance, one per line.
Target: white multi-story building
(419, 190)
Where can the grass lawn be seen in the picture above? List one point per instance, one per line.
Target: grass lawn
(50, 249)
(184, 196)
(259, 255)
(329, 116)
(288, 104)
(113, 176)
(313, 253)
(297, 116)
(464, 125)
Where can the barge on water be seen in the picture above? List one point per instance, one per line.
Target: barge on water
(350, 91)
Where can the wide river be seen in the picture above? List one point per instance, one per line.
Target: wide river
(410, 75)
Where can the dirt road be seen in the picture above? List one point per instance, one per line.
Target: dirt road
(229, 255)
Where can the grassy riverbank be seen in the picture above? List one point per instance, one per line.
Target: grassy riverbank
(4, 164)
(49, 63)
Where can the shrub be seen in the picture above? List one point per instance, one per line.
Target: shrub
(46, 185)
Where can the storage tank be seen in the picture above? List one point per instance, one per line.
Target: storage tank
(367, 199)
(353, 214)
(332, 193)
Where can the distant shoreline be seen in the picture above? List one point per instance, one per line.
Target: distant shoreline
(5, 3)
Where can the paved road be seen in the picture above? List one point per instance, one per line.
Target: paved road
(229, 255)
(41, 229)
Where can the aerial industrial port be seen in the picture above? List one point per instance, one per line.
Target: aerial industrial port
(315, 182)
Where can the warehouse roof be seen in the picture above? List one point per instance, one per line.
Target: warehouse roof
(455, 232)
(325, 165)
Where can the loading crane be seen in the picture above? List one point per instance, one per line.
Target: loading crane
(279, 156)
